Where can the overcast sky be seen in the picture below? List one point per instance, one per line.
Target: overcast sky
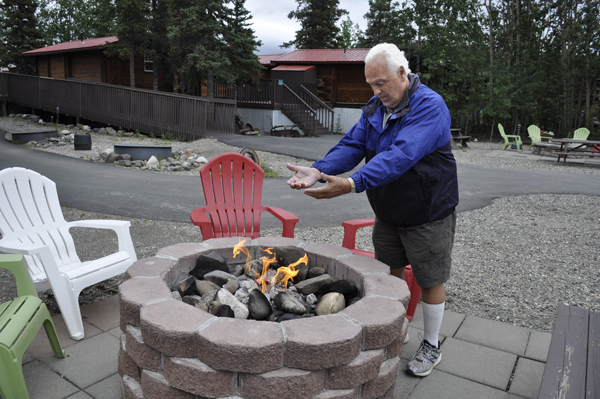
(272, 26)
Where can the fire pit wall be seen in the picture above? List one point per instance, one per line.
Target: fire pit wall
(172, 350)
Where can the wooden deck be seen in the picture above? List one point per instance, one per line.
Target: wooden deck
(573, 364)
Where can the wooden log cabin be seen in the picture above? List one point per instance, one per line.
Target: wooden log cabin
(86, 60)
(338, 73)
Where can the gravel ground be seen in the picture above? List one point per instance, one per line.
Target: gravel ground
(512, 262)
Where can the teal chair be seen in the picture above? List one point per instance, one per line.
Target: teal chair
(20, 320)
(510, 139)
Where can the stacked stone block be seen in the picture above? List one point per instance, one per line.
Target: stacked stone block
(172, 350)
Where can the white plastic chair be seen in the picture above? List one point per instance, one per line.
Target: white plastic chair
(32, 224)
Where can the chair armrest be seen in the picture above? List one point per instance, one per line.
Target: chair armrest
(120, 227)
(199, 218)
(43, 251)
(350, 228)
(288, 219)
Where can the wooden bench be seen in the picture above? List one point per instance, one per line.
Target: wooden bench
(573, 365)
(457, 137)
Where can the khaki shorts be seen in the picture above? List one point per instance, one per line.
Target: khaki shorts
(427, 248)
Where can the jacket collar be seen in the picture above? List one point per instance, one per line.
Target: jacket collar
(403, 108)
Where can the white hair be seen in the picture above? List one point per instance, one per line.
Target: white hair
(393, 57)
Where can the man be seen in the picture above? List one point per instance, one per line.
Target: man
(410, 179)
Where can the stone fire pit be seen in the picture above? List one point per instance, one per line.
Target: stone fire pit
(170, 349)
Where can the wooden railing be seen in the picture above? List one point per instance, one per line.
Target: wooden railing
(299, 112)
(264, 95)
(324, 114)
(181, 116)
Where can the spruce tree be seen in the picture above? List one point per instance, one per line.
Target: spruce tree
(132, 31)
(104, 18)
(196, 41)
(318, 19)
(241, 46)
(383, 23)
(19, 31)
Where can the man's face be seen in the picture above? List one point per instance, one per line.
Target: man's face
(388, 87)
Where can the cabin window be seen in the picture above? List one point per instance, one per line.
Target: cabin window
(148, 65)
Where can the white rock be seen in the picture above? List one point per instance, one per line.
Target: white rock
(239, 309)
(201, 160)
(152, 162)
(86, 128)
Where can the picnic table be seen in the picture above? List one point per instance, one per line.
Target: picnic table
(576, 147)
(457, 137)
(573, 364)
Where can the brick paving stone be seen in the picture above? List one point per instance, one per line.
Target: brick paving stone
(191, 375)
(321, 342)
(385, 381)
(387, 286)
(127, 366)
(248, 346)
(324, 255)
(284, 383)
(382, 320)
(156, 386)
(224, 246)
(137, 292)
(171, 327)
(153, 267)
(142, 354)
(131, 388)
(338, 394)
(354, 267)
(186, 253)
(363, 368)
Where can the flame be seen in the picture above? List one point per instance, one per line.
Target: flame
(287, 273)
(240, 248)
(283, 275)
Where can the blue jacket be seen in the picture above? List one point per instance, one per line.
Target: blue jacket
(410, 172)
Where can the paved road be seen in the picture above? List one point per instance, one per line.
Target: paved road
(103, 188)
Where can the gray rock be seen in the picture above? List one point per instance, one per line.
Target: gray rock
(111, 131)
(232, 286)
(224, 311)
(331, 303)
(219, 277)
(288, 303)
(195, 301)
(112, 157)
(203, 286)
(312, 285)
(208, 263)
(176, 295)
(225, 297)
(187, 286)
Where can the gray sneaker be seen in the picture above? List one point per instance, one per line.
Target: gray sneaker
(426, 358)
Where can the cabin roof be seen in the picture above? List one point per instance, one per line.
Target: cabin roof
(86, 44)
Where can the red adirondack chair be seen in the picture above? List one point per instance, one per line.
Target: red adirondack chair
(232, 185)
(350, 228)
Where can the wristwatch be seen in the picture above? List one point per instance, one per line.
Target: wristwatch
(352, 185)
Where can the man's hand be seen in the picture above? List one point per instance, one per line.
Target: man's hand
(335, 187)
(304, 177)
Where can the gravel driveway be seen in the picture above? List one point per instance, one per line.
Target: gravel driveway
(513, 261)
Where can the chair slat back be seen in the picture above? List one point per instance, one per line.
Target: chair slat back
(534, 133)
(30, 213)
(581, 134)
(232, 185)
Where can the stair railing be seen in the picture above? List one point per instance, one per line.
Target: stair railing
(298, 110)
(324, 113)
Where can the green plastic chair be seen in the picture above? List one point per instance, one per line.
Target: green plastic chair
(581, 134)
(20, 320)
(534, 134)
(510, 139)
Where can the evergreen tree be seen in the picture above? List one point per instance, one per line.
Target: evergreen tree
(65, 20)
(196, 40)
(319, 20)
(383, 23)
(158, 49)
(104, 18)
(350, 34)
(132, 31)
(241, 46)
(19, 30)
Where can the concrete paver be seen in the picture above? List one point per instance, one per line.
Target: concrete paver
(493, 334)
(528, 378)
(443, 385)
(537, 347)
